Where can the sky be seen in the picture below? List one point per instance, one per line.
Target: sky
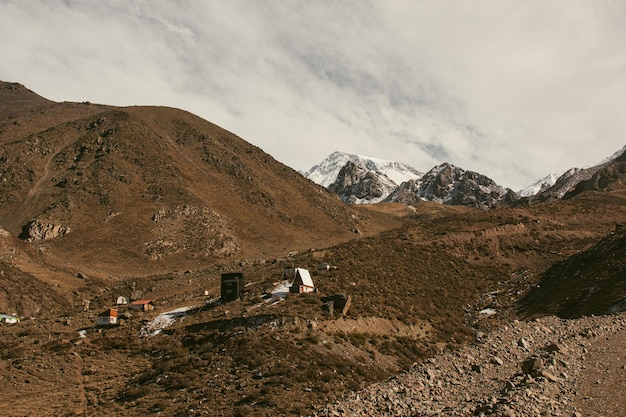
(512, 89)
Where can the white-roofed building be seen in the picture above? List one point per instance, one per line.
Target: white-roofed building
(302, 281)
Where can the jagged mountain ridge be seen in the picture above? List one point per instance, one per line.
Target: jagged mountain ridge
(448, 184)
(555, 187)
(359, 179)
(325, 173)
(539, 186)
(363, 180)
(356, 184)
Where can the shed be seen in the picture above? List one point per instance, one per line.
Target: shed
(302, 281)
(232, 286)
(107, 318)
(5, 318)
(121, 301)
(143, 305)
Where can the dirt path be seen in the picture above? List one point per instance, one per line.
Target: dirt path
(602, 388)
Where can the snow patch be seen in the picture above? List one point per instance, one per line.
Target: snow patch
(163, 321)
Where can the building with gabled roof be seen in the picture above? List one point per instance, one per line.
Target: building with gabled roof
(302, 281)
(143, 305)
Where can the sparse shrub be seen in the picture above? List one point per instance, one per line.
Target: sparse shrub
(357, 339)
(312, 338)
(132, 393)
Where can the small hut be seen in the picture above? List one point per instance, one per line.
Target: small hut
(107, 318)
(142, 305)
(302, 281)
(121, 301)
(232, 286)
(5, 318)
(337, 302)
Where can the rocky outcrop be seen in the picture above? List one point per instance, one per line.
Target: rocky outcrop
(611, 176)
(452, 185)
(41, 230)
(198, 231)
(605, 176)
(356, 183)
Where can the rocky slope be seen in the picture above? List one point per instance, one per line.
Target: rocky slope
(579, 286)
(545, 367)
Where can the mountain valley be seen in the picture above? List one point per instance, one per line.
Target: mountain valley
(150, 203)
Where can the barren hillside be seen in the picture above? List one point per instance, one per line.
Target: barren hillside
(111, 190)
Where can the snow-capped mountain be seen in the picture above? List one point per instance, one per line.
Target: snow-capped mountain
(612, 157)
(356, 184)
(448, 184)
(574, 178)
(360, 179)
(541, 185)
(363, 180)
(567, 179)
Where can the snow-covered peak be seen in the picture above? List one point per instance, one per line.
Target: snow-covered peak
(326, 172)
(540, 185)
(567, 179)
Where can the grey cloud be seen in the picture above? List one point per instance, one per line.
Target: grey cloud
(514, 90)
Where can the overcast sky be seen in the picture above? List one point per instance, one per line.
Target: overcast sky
(512, 89)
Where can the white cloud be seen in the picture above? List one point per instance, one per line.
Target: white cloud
(511, 89)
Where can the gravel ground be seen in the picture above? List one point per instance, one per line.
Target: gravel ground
(545, 367)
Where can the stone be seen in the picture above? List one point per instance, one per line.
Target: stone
(547, 375)
(554, 347)
(532, 365)
(497, 361)
(523, 343)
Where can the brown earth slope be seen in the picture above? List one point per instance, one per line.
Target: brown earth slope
(115, 190)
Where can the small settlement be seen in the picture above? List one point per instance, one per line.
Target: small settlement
(296, 280)
(115, 317)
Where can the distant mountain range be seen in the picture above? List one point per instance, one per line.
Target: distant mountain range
(359, 179)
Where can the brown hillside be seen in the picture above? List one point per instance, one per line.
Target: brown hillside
(588, 283)
(142, 189)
